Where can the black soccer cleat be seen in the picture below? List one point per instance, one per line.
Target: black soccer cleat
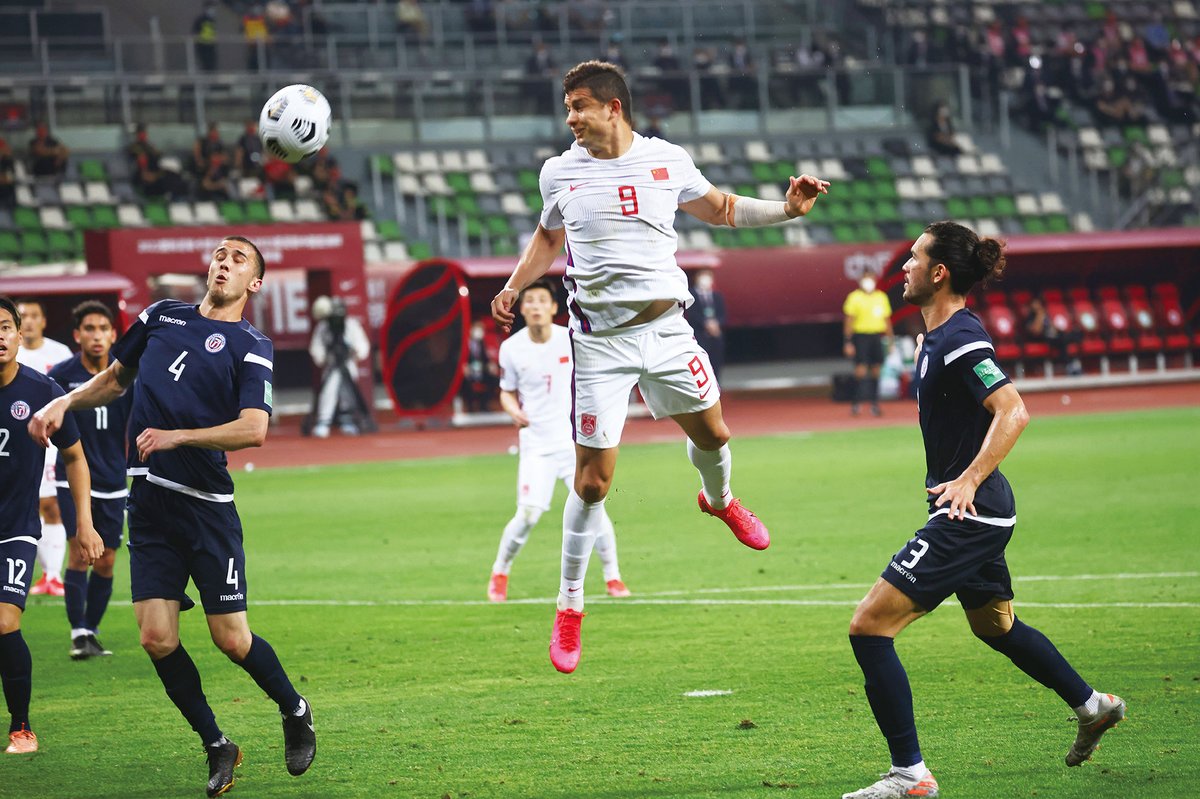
(79, 648)
(95, 648)
(299, 740)
(223, 758)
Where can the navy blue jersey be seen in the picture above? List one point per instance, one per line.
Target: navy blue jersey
(102, 431)
(22, 461)
(192, 372)
(956, 372)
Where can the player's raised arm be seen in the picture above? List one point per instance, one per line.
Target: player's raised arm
(95, 393)
(248, 430)
(87, 541)
(718, 208)
(539, 254)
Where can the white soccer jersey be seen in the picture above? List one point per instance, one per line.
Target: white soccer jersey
(619, 215)
(45, 357)
(541, 376)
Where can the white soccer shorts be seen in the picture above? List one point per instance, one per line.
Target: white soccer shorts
(661, 358)
(537, 473)
(48, 487)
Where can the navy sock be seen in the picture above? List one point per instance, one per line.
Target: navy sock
(75, 586)
(182, 682)
(890, 696)
(263, 665)
(99, 591)
(1034, 654)
(16, 670)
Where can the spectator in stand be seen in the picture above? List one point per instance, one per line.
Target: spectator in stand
(941, 131)
(8, 176)
(254, 31)
(214, 183)
(653, 128)
(1040, 327)
(204, 37)
(149, 178)
(543, 79)
(481, 17)
(743, 86)
(279, 178)
(319, 167)
(712, 93)
(248, 155)
(673, 79)
(47, 155)
(1022, 43)
(1041, 105)
(481, 372)
(612, 52)
(410, 21)
(1111, 108)
(204, 147)
(352, 207)
(707, 317)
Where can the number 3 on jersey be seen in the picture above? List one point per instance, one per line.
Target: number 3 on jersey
(178, 367)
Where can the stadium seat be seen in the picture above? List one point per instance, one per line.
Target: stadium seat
(10, 246)
(79, 217)
(282, 210)
(1087, 319)
(26, 218)
(232, 213)
(1060, 316)
(156, 214)
(1002, 324)
(1114, 319)
(206, 213)
(71, 194)
(129, 215)
(1170, 316)
(52, 218)
(1146, 335)
(180, 213)
(97, 193)
(104, 216)
(91, 169)
(257, 212)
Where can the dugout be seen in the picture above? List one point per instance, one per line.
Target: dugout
(60, 293)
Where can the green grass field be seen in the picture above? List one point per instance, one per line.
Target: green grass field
(369, 582)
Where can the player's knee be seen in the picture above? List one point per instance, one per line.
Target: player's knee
(104, 566)
(234, 643)
(992, 620)
(50, 513)
(712, 439)
(529, 516)
(159, 641)
(10, 622)
(592, 489)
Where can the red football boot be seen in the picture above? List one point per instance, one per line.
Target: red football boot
(745, 525)
(617, 588)
(498, 588)
(42, 586)
(564, 640)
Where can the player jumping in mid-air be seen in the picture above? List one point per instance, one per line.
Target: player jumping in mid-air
(971, 416)
(103, 433)
(22, 464)
(203, 388)
(612, 199)
(535, 390)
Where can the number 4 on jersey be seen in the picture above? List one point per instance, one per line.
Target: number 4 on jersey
(178, 367)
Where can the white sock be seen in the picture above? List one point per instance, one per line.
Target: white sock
(912, 773)
(300, 708)
(581, 523)
(714, 468)
(1089, 708)
(78, 631)
(606, 548)
(51, 549)
(516, 533)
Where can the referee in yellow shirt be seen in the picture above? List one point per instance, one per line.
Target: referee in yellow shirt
(868, 321)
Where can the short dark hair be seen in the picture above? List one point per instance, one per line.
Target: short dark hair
(258, 256)
(89, 307)
(7, 304)
(969, 258)
(604, 81)
(540, 283)
(31, 301)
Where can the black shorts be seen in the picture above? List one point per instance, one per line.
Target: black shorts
(173, 536)
(947, 557)
(108, 517)
(17, 556)
(868, 349)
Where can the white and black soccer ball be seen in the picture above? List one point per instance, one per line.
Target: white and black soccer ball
(295, 122)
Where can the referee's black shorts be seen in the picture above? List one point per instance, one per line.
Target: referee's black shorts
(868, 349)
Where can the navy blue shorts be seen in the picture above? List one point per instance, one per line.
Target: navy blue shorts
(108, 517)
(947, 557)
(173, 536)
(16, 569)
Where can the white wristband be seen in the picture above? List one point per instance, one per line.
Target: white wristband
(752, 212)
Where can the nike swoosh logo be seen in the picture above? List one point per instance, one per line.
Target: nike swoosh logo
(705, 394)
(577, 186)
(572, 590)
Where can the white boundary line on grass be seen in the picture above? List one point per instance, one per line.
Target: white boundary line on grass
(680, 597)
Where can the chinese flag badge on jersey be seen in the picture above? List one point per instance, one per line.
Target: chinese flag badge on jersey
(660, 173)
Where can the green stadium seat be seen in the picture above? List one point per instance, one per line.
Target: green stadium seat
(104, 216)
(61, 244)
(156, 214)
(861, 190)
(762, 172)
(92, 169)
(474, 228)
(784, 170)
(868, 232)
(10, 245)
(1034, 224)
(886, 211)
(419, 250)
(34, 247)
(232, 212)
(1058, 223)
(442, 206)
(773, 236)
(258, 212)
(723, 237)
(499, 227)
(913, 230)
(747, 237)
(980, 206)
(861, 211)
(458, 182)
(1117, 156)
(1004, 206)
(1136, 135)
(385, 165)
(504, 246)
(957, 208)
(845, 234)
(745, 190)
(388, 230)
(885, 190)
(79, 217)
(27, 218)
(533, 200)
(879, 169)
(527, 179)
(468, 206)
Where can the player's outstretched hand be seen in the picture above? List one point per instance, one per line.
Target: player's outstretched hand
(151, 440)
(960, 494)
(87, 545)
(802, 193)
(47, 422)
(502, 308)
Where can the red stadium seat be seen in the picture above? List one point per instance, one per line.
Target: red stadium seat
(1002, 324)
(1059, 315)
(1087, 318)
(1114, 320)
(1169, 313)
(1146, 335)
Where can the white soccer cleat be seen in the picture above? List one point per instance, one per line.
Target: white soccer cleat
(894, 786)
(1087, 740)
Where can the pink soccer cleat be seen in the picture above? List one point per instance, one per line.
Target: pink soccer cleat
(746, 527)
(21, 742)
(564, 640)
(617, 588)
(498, 588)
(42, 586)
(56, 587)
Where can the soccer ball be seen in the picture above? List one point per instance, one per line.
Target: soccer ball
(294, 123)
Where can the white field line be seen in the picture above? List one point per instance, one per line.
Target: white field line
(689, 598)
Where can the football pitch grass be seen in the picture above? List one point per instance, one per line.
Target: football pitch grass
(369, 582)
